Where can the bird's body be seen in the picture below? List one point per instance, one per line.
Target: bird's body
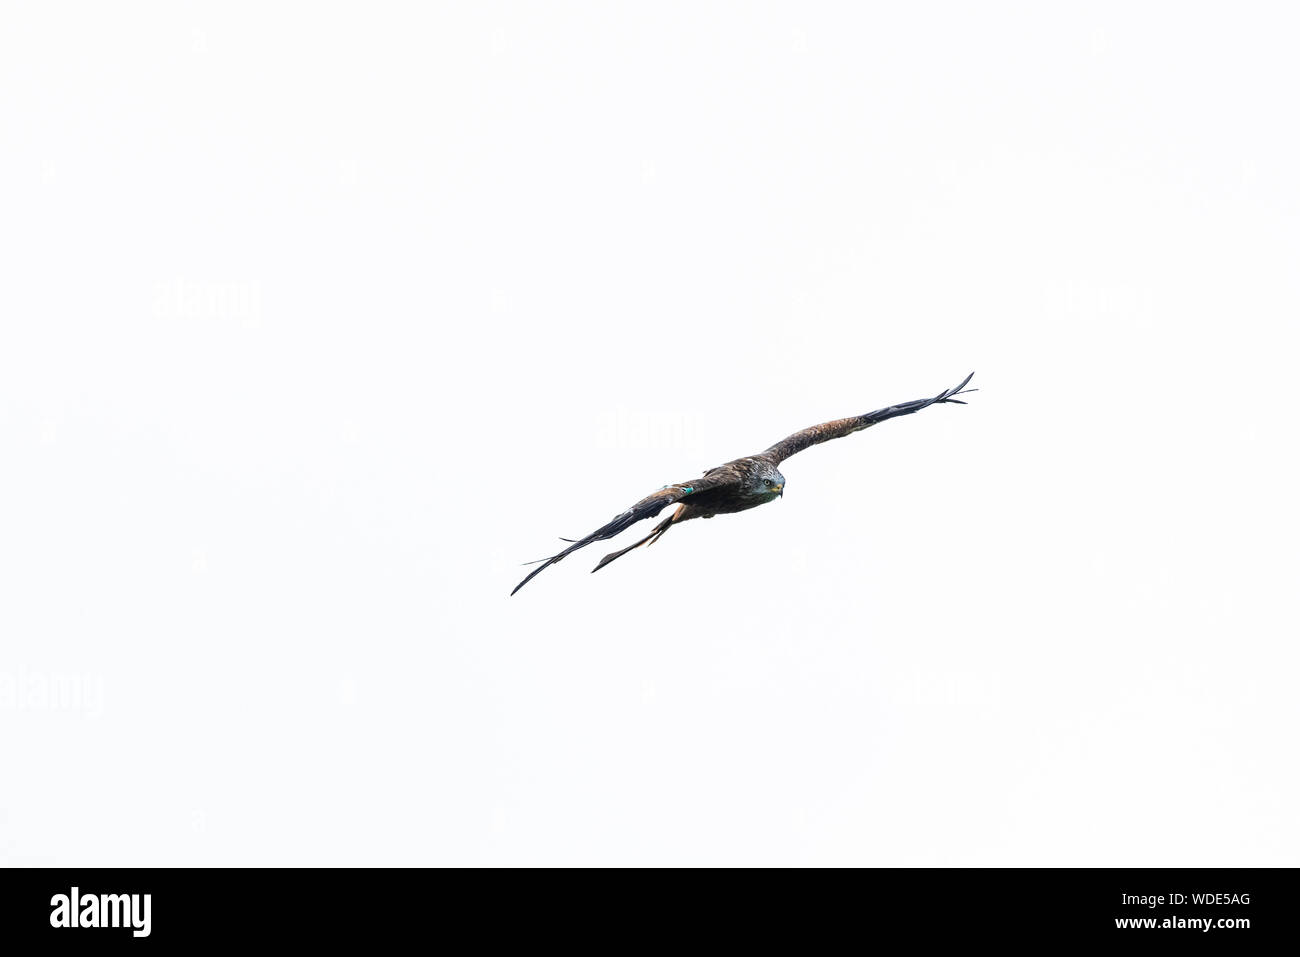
(736, 486)
(743, 488)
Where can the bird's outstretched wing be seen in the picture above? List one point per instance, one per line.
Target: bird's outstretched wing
(648, 507)
(842, 427)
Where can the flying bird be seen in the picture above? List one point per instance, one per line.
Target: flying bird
(736, 486)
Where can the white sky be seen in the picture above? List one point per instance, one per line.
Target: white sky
(319, 320)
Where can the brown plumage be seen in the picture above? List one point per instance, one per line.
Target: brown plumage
(736, 486)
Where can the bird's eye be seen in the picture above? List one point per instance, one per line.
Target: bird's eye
(767, 482)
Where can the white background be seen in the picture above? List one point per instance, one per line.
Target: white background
(318, 320)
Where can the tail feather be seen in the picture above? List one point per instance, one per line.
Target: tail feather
(651, 539)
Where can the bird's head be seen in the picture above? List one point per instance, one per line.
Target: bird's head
(766, 482)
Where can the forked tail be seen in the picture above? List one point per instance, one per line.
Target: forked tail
(653, 537)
